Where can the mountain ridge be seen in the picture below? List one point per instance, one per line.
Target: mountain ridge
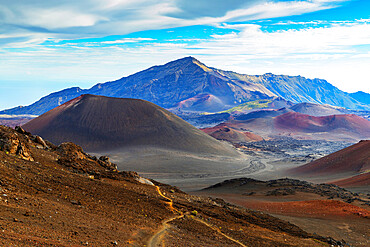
(174, 82)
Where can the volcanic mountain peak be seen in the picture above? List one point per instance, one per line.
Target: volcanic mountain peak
(186, 61)
(104, 123)
(187, 65)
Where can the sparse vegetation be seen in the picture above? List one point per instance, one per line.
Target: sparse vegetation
(257, 104)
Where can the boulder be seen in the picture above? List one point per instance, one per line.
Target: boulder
(40, 141)
(73, 156)
(13, 143)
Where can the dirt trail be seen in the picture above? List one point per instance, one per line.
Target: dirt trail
(156, 239)
(219, 231)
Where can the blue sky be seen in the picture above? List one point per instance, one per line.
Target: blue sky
(50, 45)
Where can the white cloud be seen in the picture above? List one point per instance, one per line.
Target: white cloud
(126, 40)
(326, 40)
(70, 19)
(275, 9)
(339, 53)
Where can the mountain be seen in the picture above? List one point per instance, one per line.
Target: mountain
(317, 110)
(231, 135)
(268, 113)
(201, 102)
(345, 127)
(361, 97)
(310, 124)
(190, 85)
(100, 123)
(62, 196)
(47, 103)
(348, 162)
(299, 89)
(168, 85)
(249, 109)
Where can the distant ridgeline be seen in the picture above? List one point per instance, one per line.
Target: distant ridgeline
(187, 84)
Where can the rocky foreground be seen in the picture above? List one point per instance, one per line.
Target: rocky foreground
(60, 196)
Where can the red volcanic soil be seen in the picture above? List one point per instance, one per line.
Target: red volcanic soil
(214, 129)
(297, 122)
(316, 109)
(353, 159)
(221, 132)
(335, 128)
(355, 181)
(313, 208)
(99, 123)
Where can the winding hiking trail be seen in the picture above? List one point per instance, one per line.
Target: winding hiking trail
(156, 239)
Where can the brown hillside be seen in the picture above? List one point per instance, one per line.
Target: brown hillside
(61, 196)
(346, 127)
(99, 123)
(355, 181)
(228, 134)
(298, 122)
(353, 159)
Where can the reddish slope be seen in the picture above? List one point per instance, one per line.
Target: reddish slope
(298, 122)
(355, 181)
(317, 109)
(323, 209)
(100, 123)
(224, 133)
(353, 159)
(349, 128)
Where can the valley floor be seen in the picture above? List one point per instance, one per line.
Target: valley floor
(263, 160)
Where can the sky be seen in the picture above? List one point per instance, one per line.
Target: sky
(47, 46)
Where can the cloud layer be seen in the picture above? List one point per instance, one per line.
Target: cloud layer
(36, 20)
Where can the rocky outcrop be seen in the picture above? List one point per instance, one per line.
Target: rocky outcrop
(22, 144)
(14, 144)
(73, 156)
(41, 142)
